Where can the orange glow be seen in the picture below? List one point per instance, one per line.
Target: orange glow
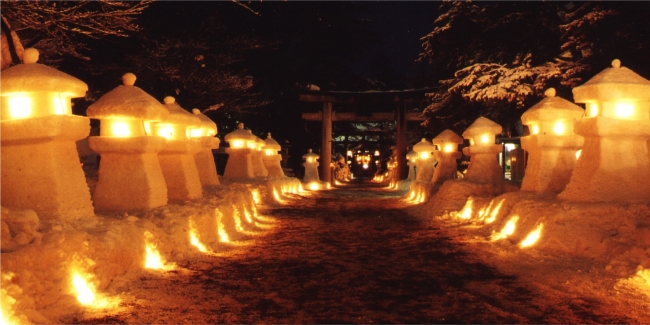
(237, 143)
(237, 218)
(507, 230)
(578, 153)
(83, 288)
(485, 138)
(166, 132)
(270, 152)
(248, 216)
(424, 155)
(310, 160)
(532, 238)
(196, 132)
(313, 186)
(277, 196)
(640, 281)
(120, 129)
(20, 107)
(194, 237)
(592, 110)
(534, 129)
(153, 260)
(449, 147)
(559, 128)
(256, 196)
(494, 213)
(466, 213)
(7, 314)
(624, 110)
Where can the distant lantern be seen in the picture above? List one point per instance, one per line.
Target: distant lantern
(483, 166)
(40, 165)
(177, 156)
(412, 157)
(257, 153)
(447, 142)
(240, 164)
(311, 167)
(130, 177)
(205, 159)
(272, 158)
(614, 165)
(551, 144)
(425, 161)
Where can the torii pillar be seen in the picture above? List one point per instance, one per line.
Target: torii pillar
(402, 167)
(326, 143)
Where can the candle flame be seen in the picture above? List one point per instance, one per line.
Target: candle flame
(532, 237)
(194, 237)
(153, 259)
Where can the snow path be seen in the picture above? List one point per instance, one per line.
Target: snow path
(350, 255)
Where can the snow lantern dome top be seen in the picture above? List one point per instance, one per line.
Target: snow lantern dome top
(238, 138)
(271, 144)
(552, 108)
(424, 148)
(178, 115)
(447, 141)
(35, 77)
(255, 142)
(127, 101)
(310, 157)
(482, 131)
(208, 126)
(411, 155)
(613, 84)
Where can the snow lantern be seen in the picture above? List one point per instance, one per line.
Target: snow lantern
(447, 142)
(483, 166)
(205, 159)
(177, 156)
(240, 164)
(614, 165)
(40, 166)
(551, 144)
(412, 157)
(311, 167)
(256, 155)
(272, 158)
(130, 177)
(425, 160)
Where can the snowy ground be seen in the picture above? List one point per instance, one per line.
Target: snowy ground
(361, 254)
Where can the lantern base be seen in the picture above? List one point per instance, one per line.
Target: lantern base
(311, 173)
(483, 165)
(446, 169)
(179, 169)
(239, 165)
(273, 166)
(259, 170)
(206, 167)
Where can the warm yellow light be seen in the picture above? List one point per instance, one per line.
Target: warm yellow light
(85, 291)
(508, 229)
(534, 129)
(376, 152)
(466, 213)
(310, 160)
(559, 128)
(147, 128)
(532, 237)
(153, 259)
(256, 196)
(313, 186)
(449, 147)
(365, 166)
(277, 196)
(20, 107)
(120, 129)
(471, 142)
(578, 153)
(270, 152)
(625, 110)
(166, 132)
(194, 237)
(592, 110)
(349, 153)
(485, 138)
(59, 105)
(494, 213)
(196, 132)
(237, 143)
(424, 155)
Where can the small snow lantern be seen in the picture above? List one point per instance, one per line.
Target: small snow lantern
(205, 159)
(425, 160)
(551, 144)
(412, 157)
(257, 153)
(177, 156)
(40, 165)
(271, 157)
(240, 164)
(447, 142)
(311, 167)
(614, 165)
(483, 166)
(130, 177)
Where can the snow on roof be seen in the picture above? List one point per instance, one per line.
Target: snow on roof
(613, 83)
(206, 122)
(480, 126)
(35, 77)
(127, 101)
(310, 155)
(240, 133)
(552, 108)
(423, 146)
(178, 115)
(271, 144)
(447, 136)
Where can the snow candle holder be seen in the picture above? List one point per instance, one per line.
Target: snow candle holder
(425, 160)
(614, 165)
(40, 165)
(412, 157)
(551, 144)
(177, 155)
(447, 144)
(257, 153)
(205, 159)
(130, 177)
(483, 166)
(311, 169)
(272, 158)
(240, 164)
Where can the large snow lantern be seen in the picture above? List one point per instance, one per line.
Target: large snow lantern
(40, 165)
(130, 177)
(412, 157)
(177, 156)
(272, 158)
(614, 165)
(551, 144)
(257, 153)
(240, 164)
(311, 168)
(483, 165)
(447, 143)
(205, 159)
(425, 160)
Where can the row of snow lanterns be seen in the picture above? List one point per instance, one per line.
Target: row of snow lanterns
(597, 155)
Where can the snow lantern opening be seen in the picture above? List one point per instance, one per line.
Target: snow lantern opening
(483, 165)
(447, 143)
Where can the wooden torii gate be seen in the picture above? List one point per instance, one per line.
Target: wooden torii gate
(400, 98)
